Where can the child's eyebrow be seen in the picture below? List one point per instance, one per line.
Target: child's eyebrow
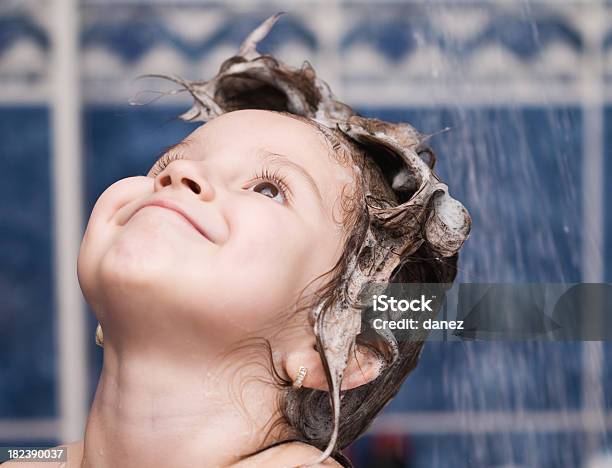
(177, 148)
(266, 156)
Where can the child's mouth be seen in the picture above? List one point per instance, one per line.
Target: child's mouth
(169, 205)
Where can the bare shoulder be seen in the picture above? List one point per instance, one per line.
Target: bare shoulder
(290, 455)
(74, 455)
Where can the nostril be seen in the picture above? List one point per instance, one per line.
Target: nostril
(192, 185)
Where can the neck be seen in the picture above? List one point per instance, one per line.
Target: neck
(186, 412)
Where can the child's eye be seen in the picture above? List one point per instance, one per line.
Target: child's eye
(271, 185)
(270, 190)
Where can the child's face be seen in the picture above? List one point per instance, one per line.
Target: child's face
(260, 247)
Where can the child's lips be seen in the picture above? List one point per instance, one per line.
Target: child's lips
(176, 207)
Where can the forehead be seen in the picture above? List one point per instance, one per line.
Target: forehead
(259, 127)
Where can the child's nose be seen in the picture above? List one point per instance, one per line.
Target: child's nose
(183, 175)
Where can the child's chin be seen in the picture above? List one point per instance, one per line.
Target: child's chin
(132, 261)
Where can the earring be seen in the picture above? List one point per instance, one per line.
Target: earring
(300, 377)
(99, 336)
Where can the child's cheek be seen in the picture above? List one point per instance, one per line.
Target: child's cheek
(262, 228)
(267, 247)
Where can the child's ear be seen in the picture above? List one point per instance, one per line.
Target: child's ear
(364, 365)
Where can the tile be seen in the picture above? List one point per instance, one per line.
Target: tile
(27, 334)
(493, 376)
(607, 195)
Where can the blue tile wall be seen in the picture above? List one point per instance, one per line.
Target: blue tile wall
(607, 187)
(505, 449)
(27, 347)
(474, 376)
(607, 375)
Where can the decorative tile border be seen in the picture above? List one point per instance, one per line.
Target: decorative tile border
(370, 53)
